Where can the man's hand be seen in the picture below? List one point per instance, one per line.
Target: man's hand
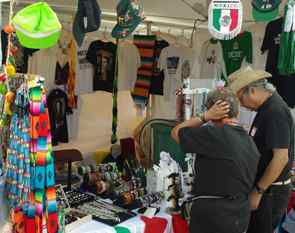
(218, 111)
(255, 199)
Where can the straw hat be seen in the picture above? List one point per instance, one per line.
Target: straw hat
(243, 77)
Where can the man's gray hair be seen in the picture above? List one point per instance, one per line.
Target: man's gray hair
(227, 96)
(262, 84)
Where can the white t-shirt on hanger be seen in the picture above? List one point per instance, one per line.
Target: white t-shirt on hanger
(171, 60)
(43, 63)
(211, 60)
(128, 64)
(84, 77)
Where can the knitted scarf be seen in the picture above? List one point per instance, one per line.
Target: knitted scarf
(146, 46)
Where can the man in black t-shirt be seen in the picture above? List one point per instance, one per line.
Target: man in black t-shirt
(273, 134)
(226, 164)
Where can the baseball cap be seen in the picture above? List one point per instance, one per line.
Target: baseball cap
(129, 16)
(265, 10)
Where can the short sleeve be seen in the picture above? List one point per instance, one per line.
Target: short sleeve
(200, 140)
(162, 59)
(91, 53)
(278, 132)
(249, 55)
(266, 44)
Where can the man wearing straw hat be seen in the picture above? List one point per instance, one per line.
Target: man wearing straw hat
(273, 134)
(226, 164)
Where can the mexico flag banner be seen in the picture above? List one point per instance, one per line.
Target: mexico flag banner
(225, 18)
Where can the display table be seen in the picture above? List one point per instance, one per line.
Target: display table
(134, 225)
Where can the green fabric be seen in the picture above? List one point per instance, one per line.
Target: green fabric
(236, 50)
(115, 101)
(216, 19)
(164, 142)
(37, 26)
(286, 60)
(265, 10)
(122, 230)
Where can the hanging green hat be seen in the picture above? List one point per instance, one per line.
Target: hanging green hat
(37, 26)
(265, 10)
(129, 16)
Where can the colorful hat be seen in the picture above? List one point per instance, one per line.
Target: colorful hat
(225, 18)
(129, 16)
(265, 10)
(37, 26)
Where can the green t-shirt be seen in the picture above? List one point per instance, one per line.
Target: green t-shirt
(236, 50)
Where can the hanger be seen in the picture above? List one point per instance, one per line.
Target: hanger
(104, 34)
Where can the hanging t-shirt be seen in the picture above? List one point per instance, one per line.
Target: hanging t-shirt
(57, 102)
(21, 56)
(237, 50)
(271, 43)
(84, 69)
(177, 63)
(102, 55)
(128, 64)
(44, 63)
(211, 60)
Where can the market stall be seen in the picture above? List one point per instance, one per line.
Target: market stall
(89, 93)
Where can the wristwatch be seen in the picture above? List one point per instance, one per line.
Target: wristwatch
(258, 189)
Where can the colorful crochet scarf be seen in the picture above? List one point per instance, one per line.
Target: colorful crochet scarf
(30, 164)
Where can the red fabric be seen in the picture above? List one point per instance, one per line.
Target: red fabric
(43, 125)
(30, 225)
(154, 225)
(234, 13)
(179, 224)
(291, 204)
(52, 223)
(127, 147)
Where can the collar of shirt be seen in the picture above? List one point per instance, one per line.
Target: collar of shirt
(268, 102)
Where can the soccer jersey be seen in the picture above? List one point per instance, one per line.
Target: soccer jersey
(237, 50)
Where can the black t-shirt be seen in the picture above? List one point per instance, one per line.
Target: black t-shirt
(57, 102)
(22, 54)
(271, 43)
(102, 55)
(273, 128)
(226, 162)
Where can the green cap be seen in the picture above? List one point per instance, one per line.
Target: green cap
(265, 10)
(37, 26)
(129, 16)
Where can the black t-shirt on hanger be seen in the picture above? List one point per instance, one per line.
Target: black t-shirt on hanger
(102, 55)
(271, 43)
(21, 56)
